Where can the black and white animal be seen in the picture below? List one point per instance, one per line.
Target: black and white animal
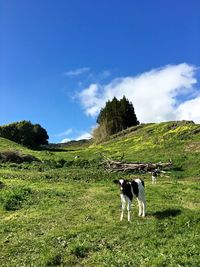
(130, 190)
(154, 175)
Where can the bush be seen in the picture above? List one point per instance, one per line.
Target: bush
(16, 198)
(54, 260)
(80, 250)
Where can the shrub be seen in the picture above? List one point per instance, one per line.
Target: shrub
(79, 250)
(16, 198)
(54, 260)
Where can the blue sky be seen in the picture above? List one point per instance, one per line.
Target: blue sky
(60, 61)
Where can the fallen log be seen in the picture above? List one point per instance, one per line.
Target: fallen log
(135, 166)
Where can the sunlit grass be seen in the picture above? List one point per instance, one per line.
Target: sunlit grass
(64, 211)
(70, 223)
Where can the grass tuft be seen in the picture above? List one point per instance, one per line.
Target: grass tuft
(16, 198)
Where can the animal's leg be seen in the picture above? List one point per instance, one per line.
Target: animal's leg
(140, 207)
(129, 210)
(122, 213)
(143, 204)
(143, 208)
(123, 207)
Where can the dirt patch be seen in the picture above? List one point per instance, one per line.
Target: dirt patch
(194, 146)
(191, 205)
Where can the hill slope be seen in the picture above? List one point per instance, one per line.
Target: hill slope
(6, 145)
(176, 140)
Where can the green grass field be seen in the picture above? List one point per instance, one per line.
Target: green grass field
(54, 214)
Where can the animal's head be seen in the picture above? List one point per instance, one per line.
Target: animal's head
(122, 184)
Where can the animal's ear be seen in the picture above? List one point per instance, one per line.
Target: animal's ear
(116, 181)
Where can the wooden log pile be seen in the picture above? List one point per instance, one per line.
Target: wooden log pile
(112, 165)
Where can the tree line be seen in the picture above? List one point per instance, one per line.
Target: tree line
(116, 116)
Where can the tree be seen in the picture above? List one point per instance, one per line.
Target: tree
(116, 116)
(25, 133)
(127, 113)
(40, 135)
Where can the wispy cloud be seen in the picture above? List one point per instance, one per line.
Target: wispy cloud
(65, 133)
(157, 95)
(83, 135)
(80, 136)
(71, 134)
(99, 76)
(77, 72)
(65, 140)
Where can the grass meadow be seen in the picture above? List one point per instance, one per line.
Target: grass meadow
(65, 212)
(60, 220)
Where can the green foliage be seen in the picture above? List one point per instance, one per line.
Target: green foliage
(116, 116)
(15, 198)
(25, 133)
(54, 259)
(79, 249)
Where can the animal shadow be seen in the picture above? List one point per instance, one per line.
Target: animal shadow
(166, 213)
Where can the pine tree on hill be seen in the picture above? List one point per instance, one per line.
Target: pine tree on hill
(116, 116)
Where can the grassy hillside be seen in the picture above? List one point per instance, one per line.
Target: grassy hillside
(6, 144)
(64, 211)
(179, 141)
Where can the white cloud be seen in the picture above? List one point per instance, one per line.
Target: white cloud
(84, 135)
(65, 133)
(155, 94)
(190, 110)
(77, 72)
(77, 135)
(92, 100)
(65, 140)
